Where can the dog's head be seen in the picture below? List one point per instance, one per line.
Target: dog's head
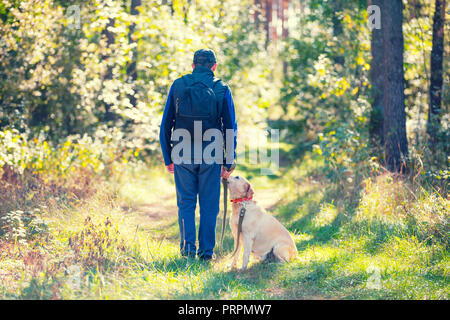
(239, 188)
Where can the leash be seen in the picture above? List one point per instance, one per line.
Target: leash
(225, 200)
(241, 219)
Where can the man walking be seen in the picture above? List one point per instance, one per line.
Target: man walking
(196, 103)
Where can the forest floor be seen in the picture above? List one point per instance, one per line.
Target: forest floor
(123, 243)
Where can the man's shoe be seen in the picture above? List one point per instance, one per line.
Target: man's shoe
(205, 258)
(188, 254)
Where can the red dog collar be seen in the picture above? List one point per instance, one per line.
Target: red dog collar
(241, 199)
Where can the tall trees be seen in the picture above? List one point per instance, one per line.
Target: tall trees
(268, 21)
(388, 92)
(284, 6)
(376, 78)
(336, 10)
(275, 15)
(284, 27)
(436, 79)
(131, 68)
(108, 76)
(394, 124)
(257, 14)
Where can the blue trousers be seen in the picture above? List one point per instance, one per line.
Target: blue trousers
(202, 180)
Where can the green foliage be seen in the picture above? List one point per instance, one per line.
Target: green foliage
(99, 154)
(418, 33)
(327, 69)
(71, 141)
(346, 154)
(59, 79)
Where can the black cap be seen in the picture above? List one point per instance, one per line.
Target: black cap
(203, 56)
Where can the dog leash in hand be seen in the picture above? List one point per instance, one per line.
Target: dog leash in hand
(225, 200)
(241, 219)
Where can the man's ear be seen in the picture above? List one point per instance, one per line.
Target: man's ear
(214, 67)
(250, 191)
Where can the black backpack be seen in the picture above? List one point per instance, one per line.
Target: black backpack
(197, 100)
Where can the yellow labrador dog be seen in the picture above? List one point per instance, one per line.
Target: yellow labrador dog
(261, 234)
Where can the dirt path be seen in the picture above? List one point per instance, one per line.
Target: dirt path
(159, 217)
(166, 209)
(154, 211)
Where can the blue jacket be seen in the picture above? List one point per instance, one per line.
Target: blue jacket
(168, 120)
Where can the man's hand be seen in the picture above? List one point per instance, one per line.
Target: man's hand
(225, 173)
(170, 168)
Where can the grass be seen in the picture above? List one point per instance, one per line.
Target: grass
(122, 243)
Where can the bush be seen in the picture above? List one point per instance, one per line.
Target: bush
(20, 226)
(389, 204)
(97, 245)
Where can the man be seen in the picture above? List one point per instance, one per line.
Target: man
(197, 102)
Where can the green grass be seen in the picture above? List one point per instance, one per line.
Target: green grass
(128, 247)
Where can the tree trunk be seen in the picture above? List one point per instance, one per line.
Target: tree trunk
(285, 19)
(268, 21)
(394, 124)
(257, 14)
(338, 29)
(285, 29)
(377, 78)
(110, 39)
(436, 80)
(168, 3)
(131, 68)
(186, 11)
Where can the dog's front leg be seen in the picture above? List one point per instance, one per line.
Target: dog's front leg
(248, 244)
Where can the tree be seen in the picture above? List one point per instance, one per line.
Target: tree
(131, 68)
(268, 21)
(284, 28)
(284, 19)
(257, 14)
(110, 39)
(436, 79)
(393, 100)
(376, 78)
(336, 8)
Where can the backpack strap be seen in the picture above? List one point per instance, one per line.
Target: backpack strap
(219, 93)
(215, 81)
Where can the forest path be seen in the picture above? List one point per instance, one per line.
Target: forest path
(154, 210)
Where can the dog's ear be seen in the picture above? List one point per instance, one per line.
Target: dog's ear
(250, 191)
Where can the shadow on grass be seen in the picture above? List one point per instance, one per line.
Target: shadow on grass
(278, 281)
(378, 233)
(308, 206)
(250, 284)
(178, 265)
